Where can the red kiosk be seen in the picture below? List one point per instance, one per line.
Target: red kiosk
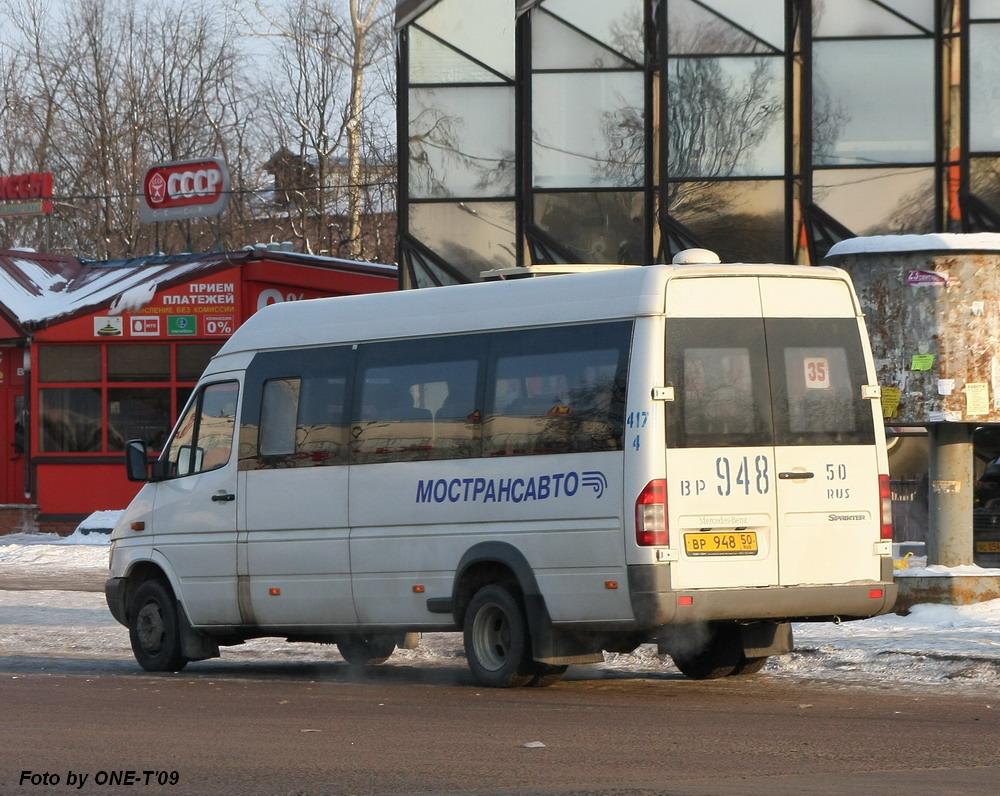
(95, 353)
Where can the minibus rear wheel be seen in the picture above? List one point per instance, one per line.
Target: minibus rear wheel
(497, 646)
(366, 650)
(716, 656)
(153, 628)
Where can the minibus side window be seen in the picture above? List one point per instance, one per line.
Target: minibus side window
(204, 437)
(294, 412)
(418, 400)
(718, 368)
(557, 390)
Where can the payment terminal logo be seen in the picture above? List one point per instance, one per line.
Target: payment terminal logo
(182, 325)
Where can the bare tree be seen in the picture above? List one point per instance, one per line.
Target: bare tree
(322, 113)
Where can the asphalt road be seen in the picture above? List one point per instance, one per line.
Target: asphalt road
(315, 729)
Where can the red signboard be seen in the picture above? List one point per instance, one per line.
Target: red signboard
(185, 189)
(26, 194)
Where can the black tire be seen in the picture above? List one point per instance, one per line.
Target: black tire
(497, 645)
(154, 629)
(749, 665)
(366, 650)
(546, 675)
(718, 657)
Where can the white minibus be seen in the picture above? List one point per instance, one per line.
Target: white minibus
(686, 455)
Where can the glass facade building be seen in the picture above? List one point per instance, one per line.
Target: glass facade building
(622, 131)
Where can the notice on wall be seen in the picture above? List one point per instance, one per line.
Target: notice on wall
(977, 399)
(922, 362)
(107, 326)
(202, 308)
(946, 386)
(890, 401)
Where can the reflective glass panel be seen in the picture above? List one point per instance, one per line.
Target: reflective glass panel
(691, 28)
(984, 88)
(765, 19)
(432, 62)
(461, 141)
(602, 227)
(873, 102)
(487, 35)
(984, 180)
(878, 201)
(555, 45)
(919, 11)
(857, 18)
(426, 273)
(589, 130)
(742, 221)
(725, 117)
(470, 236)
(984, 9)
(616, 23)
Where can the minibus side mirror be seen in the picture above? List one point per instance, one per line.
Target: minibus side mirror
(136, 460)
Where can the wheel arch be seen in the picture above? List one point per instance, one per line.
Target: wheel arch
(499, 562)
(156, 567)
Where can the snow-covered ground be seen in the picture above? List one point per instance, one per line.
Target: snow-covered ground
(935, 645)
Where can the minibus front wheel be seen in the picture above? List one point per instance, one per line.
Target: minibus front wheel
(497, 645)
(153, 628)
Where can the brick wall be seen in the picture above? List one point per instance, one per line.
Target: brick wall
(19, 518)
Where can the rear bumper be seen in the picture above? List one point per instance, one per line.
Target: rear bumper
(114, 593)
(655, 603)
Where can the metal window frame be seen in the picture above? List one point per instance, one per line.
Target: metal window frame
(821, 223)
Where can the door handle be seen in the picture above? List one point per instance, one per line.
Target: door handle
(223, 497)
(795, 476)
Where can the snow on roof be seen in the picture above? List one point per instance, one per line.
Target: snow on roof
(943, 241)
(38, 289)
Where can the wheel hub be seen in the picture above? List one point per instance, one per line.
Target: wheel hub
(150, 628)
(491, 636)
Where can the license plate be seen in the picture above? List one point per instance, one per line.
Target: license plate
(988, 547)
(721, 543)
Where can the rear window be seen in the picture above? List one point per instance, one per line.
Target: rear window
(718, 368)
(779, 381)
(817, 370)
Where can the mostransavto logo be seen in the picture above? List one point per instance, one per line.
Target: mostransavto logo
(512, 490)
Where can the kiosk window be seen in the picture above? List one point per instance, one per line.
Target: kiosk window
(69, 363)
(138, 362)
(70, 420)
(138, 413)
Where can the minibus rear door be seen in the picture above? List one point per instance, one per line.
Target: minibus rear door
(721, 478)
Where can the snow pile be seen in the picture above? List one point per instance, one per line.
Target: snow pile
(944, 241)
(135, 298)
(91, 552)
(918, 569)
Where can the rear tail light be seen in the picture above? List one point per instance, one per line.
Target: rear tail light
(885, 506)
(651, 515)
